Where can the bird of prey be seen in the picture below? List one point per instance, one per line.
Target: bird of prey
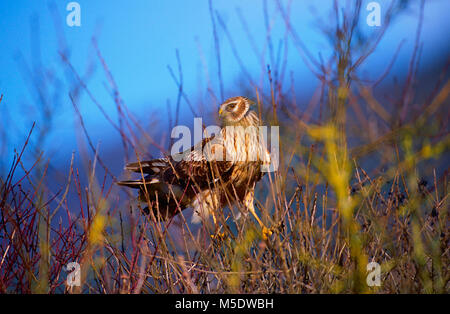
(221, 170)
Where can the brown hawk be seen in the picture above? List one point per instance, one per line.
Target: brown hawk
(219, 171)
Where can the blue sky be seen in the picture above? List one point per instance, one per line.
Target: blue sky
(138, 40)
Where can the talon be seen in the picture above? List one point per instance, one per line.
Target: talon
(266, 233)
(218, 236)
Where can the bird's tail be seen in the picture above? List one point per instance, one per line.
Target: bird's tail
(137, 184)
(151, 167)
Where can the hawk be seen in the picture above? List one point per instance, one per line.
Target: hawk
(221, 170)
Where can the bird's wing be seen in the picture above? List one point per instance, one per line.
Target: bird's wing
(193, 165)
(203, 164)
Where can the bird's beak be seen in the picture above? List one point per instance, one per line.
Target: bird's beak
(220, 111)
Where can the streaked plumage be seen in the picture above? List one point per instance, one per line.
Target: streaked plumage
(224, 174)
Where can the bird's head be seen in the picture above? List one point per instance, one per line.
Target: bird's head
(235, 109)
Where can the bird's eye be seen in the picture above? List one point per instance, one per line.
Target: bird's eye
(232, 105)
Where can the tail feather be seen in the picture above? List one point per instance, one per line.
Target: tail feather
(136, 184)
(154, 190)
(154, 166)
